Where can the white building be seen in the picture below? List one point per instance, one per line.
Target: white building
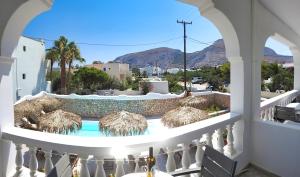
(174, 70)
(253, 137)
(115, 70)
(29, 68)
(152, 71)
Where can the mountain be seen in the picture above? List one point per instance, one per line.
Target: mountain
(212, 55)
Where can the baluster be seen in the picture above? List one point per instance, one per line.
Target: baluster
(266, 114)
(18, 160)
(208, 139)
(270, 114)
(261, 114)
(186, 160)
(229, 148)
(199, 153)
(48, 162)
(99, 170)
(170, 165)
(33, 163)
(273, 113)
(220, 140)
(137, 168)
(120, 169)
(84, 171)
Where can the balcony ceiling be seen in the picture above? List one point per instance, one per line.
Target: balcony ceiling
(287, 10)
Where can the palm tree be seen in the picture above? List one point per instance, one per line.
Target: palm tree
(74, 55)
(61, 47)
(53, 56)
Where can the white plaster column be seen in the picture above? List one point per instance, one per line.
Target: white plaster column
(7, 149)
(296, 57)
(238, 81)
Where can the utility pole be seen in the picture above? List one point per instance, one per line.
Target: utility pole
(184, 55)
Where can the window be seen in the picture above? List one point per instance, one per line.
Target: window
(24, 48)
(24, 76)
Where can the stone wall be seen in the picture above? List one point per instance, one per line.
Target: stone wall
(96, 108)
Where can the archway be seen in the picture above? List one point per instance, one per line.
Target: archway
(19, 20)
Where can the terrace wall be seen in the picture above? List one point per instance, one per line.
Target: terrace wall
(96, 108)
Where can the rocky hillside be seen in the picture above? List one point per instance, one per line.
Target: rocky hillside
(212, 55)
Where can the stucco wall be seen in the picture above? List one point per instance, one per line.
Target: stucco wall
(32, 64)
(96, 108)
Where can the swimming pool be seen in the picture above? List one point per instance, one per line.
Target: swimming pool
(91, 128)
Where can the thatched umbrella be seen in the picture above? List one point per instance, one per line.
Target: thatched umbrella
(49, 103)
(183, 116)
(123, 123)
(28, 109)
(59, 121)
(195, 102)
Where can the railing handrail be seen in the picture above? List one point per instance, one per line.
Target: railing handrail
(275, 100)
(133, 144)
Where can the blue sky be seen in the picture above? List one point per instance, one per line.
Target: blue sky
(124, 22)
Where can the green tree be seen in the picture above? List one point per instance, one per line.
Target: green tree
(91, 78)
(173, 83)
(136, 72)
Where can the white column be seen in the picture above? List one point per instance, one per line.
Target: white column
(199, 153)
(7, 151)
(33, 163)
(170, 165)
(84, 171)
(120, 169)
(241, 89)
(18, 160)
(296, 57)
(100, 170)
(48, 162)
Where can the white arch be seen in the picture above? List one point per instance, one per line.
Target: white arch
(18, 21)
(207, 9)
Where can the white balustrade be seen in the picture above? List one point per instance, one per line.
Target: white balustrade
(84, 171)
(33, 163)
(48, 161)
(120, 168)
(137, 167)
(186, 160)
(208, 139)
(19, 159)
(102, 146)
(229, 148)
(170, 165)
(199, 153)
(100, 169)
(220, 140)
(267, 107)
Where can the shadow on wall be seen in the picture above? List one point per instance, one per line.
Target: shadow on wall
(41, 79)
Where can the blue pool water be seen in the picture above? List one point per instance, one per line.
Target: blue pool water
(91, 128)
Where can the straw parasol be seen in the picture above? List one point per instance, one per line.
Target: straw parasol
(195, 102)
(59, 121)
(29, 110)
(123, 123)
(183, 116)
(48, 103)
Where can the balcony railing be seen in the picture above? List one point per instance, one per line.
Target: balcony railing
(210, 131)
(267, 108)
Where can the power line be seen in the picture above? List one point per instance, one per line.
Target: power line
(117, 45)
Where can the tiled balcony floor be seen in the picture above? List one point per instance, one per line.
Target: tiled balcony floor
(252, 171)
